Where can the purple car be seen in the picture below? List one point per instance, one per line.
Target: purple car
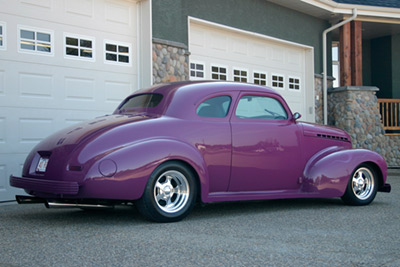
(168, 146)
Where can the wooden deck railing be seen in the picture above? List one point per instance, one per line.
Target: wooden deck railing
(390, 112)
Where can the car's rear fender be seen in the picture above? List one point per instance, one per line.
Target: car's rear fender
(124, 172)
(328, 173)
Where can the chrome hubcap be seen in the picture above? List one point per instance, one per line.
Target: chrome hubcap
(171, 191)
(363, 183)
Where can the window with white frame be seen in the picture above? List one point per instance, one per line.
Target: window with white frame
(79, 47)
(240, 75)
(35, 41)
(218, 73)
(117, 52)
(2, 36)
(335, 64)
(278, 81)
(196, 70)
(294, 83)
(260, 78)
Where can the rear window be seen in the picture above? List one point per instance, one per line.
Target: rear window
(142, 101)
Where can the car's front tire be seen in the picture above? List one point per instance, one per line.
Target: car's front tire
(170, 193)
(362, 186)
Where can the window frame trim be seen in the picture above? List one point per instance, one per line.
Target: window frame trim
(3, 24)
(117, 43)
(204, 70)
(228, 78)
(240, 69)
(266, 77)
(294, 90)
(79, 37)
(272, 81)
(36, 30)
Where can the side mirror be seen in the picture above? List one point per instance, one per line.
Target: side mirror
(296, 116)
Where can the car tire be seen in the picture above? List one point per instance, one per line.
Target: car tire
(362, 186)
(170, 193)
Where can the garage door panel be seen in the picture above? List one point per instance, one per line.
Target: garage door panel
(42, 93)
(2, 82)
(10, 164)
(92, 14)
(26, 127)
(282, 65)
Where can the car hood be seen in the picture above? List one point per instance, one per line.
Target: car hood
(327, 132)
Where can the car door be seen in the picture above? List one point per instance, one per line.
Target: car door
(266, 153)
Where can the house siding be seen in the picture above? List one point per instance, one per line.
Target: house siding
(396, 66)
(259, 16)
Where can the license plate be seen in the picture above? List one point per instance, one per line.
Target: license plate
(42, 165)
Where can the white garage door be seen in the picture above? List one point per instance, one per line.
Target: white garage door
(61, 62)
(224, 53)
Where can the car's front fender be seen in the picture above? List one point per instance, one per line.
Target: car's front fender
(328, 173)
(123, 173)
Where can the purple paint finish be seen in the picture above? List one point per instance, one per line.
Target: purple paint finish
(112, 157)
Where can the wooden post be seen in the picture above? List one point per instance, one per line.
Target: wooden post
(356, 53)
(345, 55)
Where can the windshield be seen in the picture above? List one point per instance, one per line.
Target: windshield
(141, 102)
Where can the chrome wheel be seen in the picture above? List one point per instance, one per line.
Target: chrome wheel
(362, 186)
(363, 183)
(171, 191)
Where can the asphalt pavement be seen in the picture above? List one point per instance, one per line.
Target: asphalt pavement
(305, 232)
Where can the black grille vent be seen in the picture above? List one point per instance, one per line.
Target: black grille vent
(333, 137)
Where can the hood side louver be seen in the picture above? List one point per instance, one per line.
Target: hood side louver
(333, 137)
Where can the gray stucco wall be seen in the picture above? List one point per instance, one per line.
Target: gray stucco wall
(170, 21)
(381, 66)
(396, 66)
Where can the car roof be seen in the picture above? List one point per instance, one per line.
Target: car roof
(205, 87)
(179, 97)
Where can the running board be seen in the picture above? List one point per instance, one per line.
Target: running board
(62, 205)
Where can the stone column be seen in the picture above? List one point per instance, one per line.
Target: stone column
(355, 109)
(170, 61)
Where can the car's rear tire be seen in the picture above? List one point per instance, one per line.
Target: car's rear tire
(362, 186)
(170, 193)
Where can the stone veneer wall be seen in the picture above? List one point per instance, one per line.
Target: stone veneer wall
(356, 110)
(170, 61)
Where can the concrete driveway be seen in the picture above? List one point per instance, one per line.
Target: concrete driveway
(311, 232)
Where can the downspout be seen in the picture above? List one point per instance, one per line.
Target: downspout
(325, 67)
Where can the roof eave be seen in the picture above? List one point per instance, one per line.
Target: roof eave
(362, 10)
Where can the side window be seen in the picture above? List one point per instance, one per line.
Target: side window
(216, 107)
(260, 107)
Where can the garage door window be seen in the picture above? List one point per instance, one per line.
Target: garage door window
(2, 36)
(79, 47)
(35, 41)
(117, 53)
(196, 70)
(260, 78)
(294, 83)
(278, 81)
(218, 73)
(240, 75)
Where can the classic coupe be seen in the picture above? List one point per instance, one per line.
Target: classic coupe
(172, 145)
